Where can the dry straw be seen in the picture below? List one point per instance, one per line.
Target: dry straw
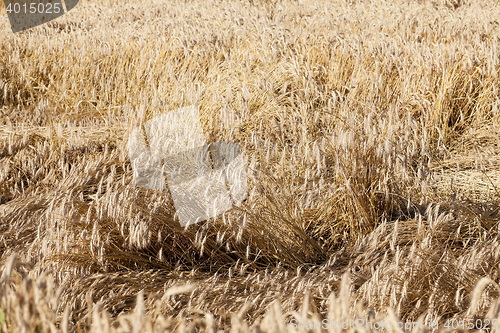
(371, 131)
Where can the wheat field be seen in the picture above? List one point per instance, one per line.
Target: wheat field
(371, 132)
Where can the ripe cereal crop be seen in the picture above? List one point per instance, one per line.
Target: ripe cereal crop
(370, 130)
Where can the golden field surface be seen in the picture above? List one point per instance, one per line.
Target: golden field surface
(371, 132)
